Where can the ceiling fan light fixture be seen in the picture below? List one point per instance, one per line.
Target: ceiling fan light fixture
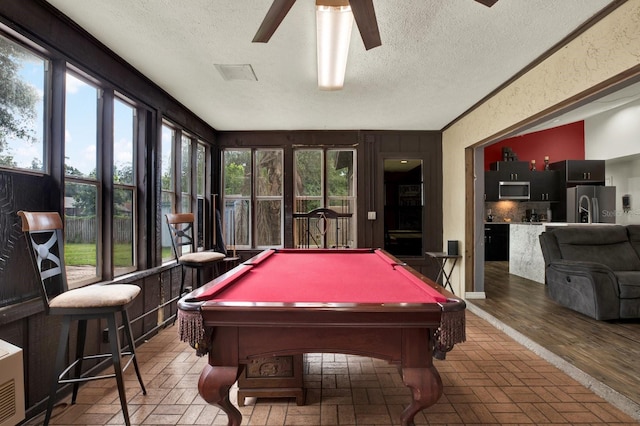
(333, 24)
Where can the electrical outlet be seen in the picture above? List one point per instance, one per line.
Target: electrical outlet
(371, 215)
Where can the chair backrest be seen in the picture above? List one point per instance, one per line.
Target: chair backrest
(320, 228)
(181, 230)
(43, 231)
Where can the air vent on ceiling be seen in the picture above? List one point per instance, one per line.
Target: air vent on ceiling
(236, 72)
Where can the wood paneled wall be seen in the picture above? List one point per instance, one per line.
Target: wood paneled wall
(372, 148)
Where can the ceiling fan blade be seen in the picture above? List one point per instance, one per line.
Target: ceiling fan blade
(488, 3)
(365, 17)
(275, 15)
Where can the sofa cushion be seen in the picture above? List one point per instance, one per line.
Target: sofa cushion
(608, 245)
(629, 284)
(634, 237)
(549, 247)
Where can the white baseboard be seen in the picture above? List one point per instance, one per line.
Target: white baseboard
(475, 295)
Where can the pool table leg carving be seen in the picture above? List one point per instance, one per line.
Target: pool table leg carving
(426, 388)
(214, 385)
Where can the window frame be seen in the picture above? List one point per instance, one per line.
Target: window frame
(252, 199)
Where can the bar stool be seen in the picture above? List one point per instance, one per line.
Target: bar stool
(181, 229)
(43, 231)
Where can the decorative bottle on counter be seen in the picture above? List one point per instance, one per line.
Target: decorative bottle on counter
(533, 166)
(546, 162)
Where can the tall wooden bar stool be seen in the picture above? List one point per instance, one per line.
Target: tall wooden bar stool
(184, 247)
(43, 231)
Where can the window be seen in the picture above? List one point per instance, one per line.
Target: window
(185, 174)
(81, 202)
(98, 194)
(22, 110)
(325, 178)
(184, 171)
(167, 188)
(201, 165)
(268, 197)
(253, 180)
(124, 189)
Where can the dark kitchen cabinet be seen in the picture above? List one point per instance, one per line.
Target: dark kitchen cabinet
(545, 185)
(580, 172)
(496, 241)
(511, 170)
(491, 180)
(572, 173)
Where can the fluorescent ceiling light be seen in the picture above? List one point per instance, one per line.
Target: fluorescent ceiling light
(333, 24)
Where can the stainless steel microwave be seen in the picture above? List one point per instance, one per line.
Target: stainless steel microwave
(514, 190)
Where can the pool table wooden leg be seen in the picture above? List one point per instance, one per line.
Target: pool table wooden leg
(214, 385)
(426, 388)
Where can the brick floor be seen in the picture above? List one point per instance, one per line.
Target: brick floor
(488, 380)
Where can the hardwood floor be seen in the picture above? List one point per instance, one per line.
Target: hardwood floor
(608, 351)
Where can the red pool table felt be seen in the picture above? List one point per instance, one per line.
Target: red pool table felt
(321, 276)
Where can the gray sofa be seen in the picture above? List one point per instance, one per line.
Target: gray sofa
(594, 269)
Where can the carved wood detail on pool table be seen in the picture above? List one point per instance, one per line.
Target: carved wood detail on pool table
(272, 377)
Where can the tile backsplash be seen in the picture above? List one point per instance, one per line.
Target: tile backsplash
(514, 211)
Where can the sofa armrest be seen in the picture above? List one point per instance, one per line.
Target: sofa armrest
(587, 287)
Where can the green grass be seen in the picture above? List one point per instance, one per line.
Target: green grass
(85, 254)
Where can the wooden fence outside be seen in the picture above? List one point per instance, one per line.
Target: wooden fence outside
(83, 230)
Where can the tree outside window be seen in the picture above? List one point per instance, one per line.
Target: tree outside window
(22, 101)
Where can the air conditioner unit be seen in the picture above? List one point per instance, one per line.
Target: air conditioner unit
(11, 385)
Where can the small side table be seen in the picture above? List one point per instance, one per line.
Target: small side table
(442, 258)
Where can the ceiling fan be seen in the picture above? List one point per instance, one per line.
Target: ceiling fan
(363, 14)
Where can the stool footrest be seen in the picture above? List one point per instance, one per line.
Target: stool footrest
(84, 378)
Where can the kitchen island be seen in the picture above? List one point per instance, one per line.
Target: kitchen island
(525, 255)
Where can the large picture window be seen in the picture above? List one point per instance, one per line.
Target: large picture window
(100, 190)
(22, 110)
(253, 188)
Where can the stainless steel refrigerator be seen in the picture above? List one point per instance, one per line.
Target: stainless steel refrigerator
(591, 204)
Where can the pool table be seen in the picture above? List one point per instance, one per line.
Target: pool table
(295, 301)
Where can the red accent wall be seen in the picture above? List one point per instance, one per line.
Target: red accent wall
(560, 143)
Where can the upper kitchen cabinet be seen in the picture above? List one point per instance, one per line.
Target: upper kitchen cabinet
(580, 172)
(545, 185)
(511, 170)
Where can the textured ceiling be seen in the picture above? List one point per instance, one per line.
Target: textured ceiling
(438, 57)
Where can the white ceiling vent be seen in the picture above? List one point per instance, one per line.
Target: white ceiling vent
(236, 72)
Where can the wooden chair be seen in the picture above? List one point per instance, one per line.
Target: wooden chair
(43, 232)
(182, 236)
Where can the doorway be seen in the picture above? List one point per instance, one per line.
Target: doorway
(403, 207)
